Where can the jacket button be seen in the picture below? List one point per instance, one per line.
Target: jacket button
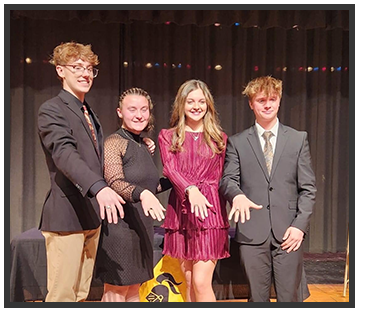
(271, 188)
(268, 207)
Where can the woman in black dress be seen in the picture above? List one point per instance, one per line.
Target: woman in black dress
(125, 255)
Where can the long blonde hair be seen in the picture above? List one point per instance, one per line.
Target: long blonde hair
(211, 127)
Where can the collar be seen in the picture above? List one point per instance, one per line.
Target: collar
(274, 129)
(72, 98)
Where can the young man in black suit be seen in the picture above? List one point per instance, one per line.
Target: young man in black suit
(72, 141)
(268, 169)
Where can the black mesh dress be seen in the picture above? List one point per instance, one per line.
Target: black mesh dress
(125, 254)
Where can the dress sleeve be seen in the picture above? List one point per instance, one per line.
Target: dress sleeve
(171, 165)
(115, 148)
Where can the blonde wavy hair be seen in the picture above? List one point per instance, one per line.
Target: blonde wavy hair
(266, 84)
(139, 92)
(211, 126)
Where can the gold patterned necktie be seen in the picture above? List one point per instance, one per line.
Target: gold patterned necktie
(268, 151)
(88, 120)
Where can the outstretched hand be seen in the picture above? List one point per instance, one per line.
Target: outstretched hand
(110, 203)
(198, 203)
(241, 206)
(151, 205)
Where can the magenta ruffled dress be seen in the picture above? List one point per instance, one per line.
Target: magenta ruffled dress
(187, 236)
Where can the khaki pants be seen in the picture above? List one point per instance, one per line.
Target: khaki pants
(70, 264)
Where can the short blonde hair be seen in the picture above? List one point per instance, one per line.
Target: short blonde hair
(267, 84)
(139, 92)
(72, 51)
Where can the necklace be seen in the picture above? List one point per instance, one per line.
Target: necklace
(195, 137)
(130, 138)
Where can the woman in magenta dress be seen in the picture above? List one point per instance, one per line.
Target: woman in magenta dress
(192, 154)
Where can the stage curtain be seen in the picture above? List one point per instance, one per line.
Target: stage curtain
(304, 19)
(308, 50)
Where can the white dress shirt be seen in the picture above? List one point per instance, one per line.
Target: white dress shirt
(273, 139)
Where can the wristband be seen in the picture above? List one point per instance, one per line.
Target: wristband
(189, 187)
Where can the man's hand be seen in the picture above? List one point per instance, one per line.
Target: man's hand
(150, 144)
(111, 203)
(241, 208)
(293, 238)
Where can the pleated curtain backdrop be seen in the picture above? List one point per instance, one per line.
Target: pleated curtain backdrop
(158, 51)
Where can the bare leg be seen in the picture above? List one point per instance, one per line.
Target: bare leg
(187, 269)
(114, 293)
(133, 293)
(202, 280)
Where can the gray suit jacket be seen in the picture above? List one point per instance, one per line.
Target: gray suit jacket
(73, 162)
(287, 195)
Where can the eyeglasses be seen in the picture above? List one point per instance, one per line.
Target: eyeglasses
(79, 70)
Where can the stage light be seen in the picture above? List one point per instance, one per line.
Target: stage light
(28, 60)
(236, 24)
(310, 68)
(256, 68)
(338, 68)
(218, 67)
(148, 65)
(167, 22)
(217, 24)
(179, 65)
(315, 68)
(332, 69)
(173, 66)
(284, 69)
(300, 68)
(125, 64)
(324, 69)
(157, 64)
(188, 66)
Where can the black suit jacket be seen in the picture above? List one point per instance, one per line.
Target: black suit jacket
(287, 195)
(73, 162)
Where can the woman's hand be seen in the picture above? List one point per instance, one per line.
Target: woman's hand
(152, 206)
(198, 202)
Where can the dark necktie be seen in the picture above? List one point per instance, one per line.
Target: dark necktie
(88, 120)
(268, 151)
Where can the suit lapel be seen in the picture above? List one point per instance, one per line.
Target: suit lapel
(254, 142)
(280, 145)
(75, 107)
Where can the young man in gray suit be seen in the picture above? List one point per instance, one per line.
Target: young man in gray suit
(268, 169)
(72, 141)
